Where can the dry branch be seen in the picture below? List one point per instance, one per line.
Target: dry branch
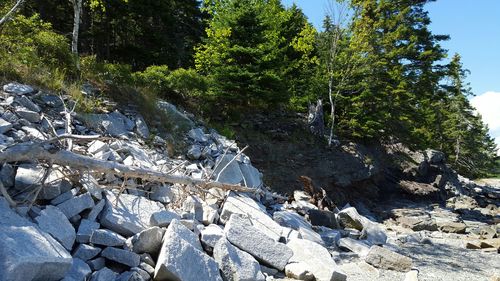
(30, 152)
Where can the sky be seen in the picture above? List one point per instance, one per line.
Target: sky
(474, 28)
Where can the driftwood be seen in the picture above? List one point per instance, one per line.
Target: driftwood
(40, 152)
(318, 195)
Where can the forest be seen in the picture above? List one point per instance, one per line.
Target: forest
(380, 72)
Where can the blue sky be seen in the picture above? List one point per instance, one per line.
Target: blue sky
(474, 27)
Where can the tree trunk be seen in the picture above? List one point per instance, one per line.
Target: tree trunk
(11, 12)
(77, 9)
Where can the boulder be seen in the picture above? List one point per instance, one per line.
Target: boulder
(418, 223)
(17, 89)
(106, 238)
(373, 233)
(96, 211)
(317, 259)
(355, 246)
(4, 126)
(350, 218)
(194, 152)
(54, 222)
(86, 252)
(26, 102)
(181, 122)
(228, 170)
(298, 223)
(97, 264)
(235, 264)
(146, 241)
(29, 115)
(104, 274)
(299, 271)
(252, 176)
(181, 257)
(141, 127)
(90, 184)
(79, 271)
(28, 176)
(322, 218)
(121, 256)
(211, 234)
(7, 175)
(197, 135)
(241, 233)
(452, 227)
(27, 253)
(85, 230)
(163, 218)
(76, 205)
(162, 193)
(245, 205)
(387, 259)
(130, 215)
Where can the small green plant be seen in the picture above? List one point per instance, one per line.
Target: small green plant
(187, 82)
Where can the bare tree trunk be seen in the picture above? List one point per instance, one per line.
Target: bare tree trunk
(332, 110)
(77, 9)
(11, 12)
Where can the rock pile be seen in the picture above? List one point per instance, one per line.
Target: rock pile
(61, 223)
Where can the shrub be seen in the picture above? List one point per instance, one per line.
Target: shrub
(154, 77)
(105, 72)
(187, 82)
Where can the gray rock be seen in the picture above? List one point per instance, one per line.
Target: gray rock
(228, 171)
(86, 252)
(211, 234)
(130, 215)
(97, 264)
(350, 218)
(79, 271)
(54, 222)
(4, 126)
(387, 259)
(163, 218)
(355, 246)
(17, 89)
(76, 205)
(27, 253)
(146, 258)
(299, 271)
(130, 276)
(55, 186)
(148, 268)
(104, 274)
(146, 241)
(143, 273)
(243, 204)
(181, 121)
(7, 175)
(29, 115)
(322, 218)
(162, 193)
(194, 152)
(373, 233)
(181, 258)
(197, 135)
(85, 230)
(28, 176)
(106, 238)
(235, 264)
(114, 124)
(121, 256)
(252, 176)
(96, 211)
(26, 102)
(330, 236)
(317, 259)
(97, 146)
(298, 223)
(141, 127)
(64, 197)
(241, 233)
(90, 184)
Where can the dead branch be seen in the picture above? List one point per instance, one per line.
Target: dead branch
(30, 152)
(11, 12)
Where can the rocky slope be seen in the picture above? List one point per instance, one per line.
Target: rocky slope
(67, 222)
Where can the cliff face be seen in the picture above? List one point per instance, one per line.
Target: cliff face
(105, 197)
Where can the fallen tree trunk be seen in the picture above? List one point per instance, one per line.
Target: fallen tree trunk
(31, 152)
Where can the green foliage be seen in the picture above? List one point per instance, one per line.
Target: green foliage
(154, 77)
(187, 82)
(104, 72)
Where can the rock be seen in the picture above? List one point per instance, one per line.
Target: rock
(141, 127)
(29, 115)
(146, 258)
(7, 175)
(297, 222)
(54, 222)
(27, 253)
(227, 170)
(355, 246)
(114, 124)
(17, 89)
(4, 126)
(130, 215)
(76, 205)
(90, 184)
(147, 241)
(106, 238)
(434, 156)
(181, 121)
(194, 152)
(322, 218)
(330, 237)
(97, 264)
(104, 274)
(243, 204)
(86, 252)
(317, 260)
(418, 223)
(452, 227)
(162, 193)
(411, 275)
(26, 102)
(130, 276)
(211, 234)
(387, 259)
(79, 271)
(299, 271)
(64, 197)
(197, 135)
(148, 268)
(55, 186)
(373, 233)
(28, 176)
(235, 264)
(96, 211)
(362, 271)
(241, 233)
(181, 257)
(163, 218)
(85, 230)
(121, 256)
(350, 218)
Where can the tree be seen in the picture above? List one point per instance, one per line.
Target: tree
(77, 10)
(11, 12)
